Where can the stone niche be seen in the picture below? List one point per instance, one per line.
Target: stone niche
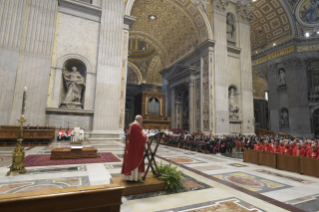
(73, 86)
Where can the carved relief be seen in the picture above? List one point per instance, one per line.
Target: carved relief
(233, 103)
(284, 117)
(231, 29)
(201, 4)
(245, 12)
(220, 5)
(281, 78)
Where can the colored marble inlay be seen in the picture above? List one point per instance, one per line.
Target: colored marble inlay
(237, 165)
(287, 177)
(202, 168)
(184, 159)
(307, 203)
(43, 185)
(188, 184)
(210, 158)
(230, 204)
(251, 182)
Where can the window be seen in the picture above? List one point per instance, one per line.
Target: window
(142, 45)
(266, 95)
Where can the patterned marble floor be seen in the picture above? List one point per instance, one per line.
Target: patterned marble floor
(212, 183)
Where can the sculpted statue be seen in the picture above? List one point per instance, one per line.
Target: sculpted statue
(74, 82)
(281, 80)
(233, 107)
(284, 117)
(231, 35)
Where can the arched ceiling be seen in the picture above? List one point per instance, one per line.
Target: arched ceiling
(259, 88)
(270, 24)
(179, 27)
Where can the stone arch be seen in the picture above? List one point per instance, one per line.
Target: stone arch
(136, 70)
(64, 58)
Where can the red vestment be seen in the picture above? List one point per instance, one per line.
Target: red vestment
(134, 150)
(60, 133)
(298, 152)
(287, 151)
(276, 150)
(312, 154)
(267, 148)
(68, 132)
(258, 147)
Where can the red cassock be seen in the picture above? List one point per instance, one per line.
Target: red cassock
(277, 150)
(312, 154)
(134, 150)
(287, 151)
(299, 152)
(258, 147)
(68, 132)
(267, 148)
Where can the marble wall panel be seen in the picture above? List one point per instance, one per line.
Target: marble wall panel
(71, 121)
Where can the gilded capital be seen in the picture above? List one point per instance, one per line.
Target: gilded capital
(244, 12)
(220, 5)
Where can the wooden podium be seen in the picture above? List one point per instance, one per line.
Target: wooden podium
(68, 153)
(152, 120)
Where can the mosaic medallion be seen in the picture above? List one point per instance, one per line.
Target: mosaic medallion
(252, 182)
(184, 160)
(229, 204)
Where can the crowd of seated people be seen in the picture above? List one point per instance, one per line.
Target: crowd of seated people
(303, 147)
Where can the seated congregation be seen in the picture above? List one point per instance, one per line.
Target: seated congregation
(303, 147)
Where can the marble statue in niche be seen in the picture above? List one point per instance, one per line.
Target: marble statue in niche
(153, 106)
(74, 84)
(284, 117)
(233, 106)
(231, 29)
(281, 80)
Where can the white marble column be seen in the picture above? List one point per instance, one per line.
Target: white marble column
(109, 104)
(244, 16)
(219, 74)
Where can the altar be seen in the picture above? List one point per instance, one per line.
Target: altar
(75, 152)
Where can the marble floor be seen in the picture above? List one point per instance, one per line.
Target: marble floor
(210, 183)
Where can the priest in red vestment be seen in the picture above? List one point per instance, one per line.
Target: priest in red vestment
(133, 164)
(312, 153)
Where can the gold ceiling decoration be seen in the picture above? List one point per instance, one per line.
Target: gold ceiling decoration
(270, 24)
(179, 26)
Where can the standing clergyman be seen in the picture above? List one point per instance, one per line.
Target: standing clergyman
(133, 164)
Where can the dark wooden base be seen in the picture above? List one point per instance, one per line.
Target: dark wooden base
(151, 184)
(68, 153)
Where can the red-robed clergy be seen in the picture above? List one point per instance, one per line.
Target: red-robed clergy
(133, 164)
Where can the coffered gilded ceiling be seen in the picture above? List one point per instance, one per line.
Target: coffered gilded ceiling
(178, 29)
(270, 24)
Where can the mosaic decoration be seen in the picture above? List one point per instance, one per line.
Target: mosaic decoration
(229, 204)
(307, 203)
(238, 155)
(251, 182)
(237, 165)
(188, 184)
(287, 177)
(184, 160)
(43, 185)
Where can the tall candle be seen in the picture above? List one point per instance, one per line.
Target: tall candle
(23, 100)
